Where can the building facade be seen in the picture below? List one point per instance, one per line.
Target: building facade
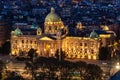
(56, 37)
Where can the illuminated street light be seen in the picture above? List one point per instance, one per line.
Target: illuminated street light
(118, 65)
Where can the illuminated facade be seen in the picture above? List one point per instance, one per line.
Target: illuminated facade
(77, 47)
(55, 37)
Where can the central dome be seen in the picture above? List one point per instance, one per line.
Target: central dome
(52, 23)
(52, 16)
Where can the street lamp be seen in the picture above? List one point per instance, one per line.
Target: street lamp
(59, 39)
(118, 65)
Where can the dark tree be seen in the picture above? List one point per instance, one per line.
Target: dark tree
(0, 76)
(84, 71)
(104, 53)
(5, 49)
(1, 68)
(32, 53)
(30, 64)
(93, 72)
(60, 54)
(13, 76)
(0, 50)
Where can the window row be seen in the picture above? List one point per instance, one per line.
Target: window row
(25, 41)
(81, 44)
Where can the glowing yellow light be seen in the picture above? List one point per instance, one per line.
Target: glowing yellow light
(83, 56)
(115, 43)
(118, 65)
(94, 57)
(89, 56)
(105, 36)
(78, 56)
(13, 52)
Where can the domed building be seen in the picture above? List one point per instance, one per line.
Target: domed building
(52, 23)
(55, 37)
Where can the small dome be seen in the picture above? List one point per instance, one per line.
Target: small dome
(18, 32)
(39, 29)
(79, 25)
(33, 26)
(106, 28)
(52, 16)
(12, 32)
(93, 34)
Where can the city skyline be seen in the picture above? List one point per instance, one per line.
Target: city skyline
(60, 40)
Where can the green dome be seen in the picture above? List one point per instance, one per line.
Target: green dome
(39, 29)
(18, 32)
(52, 16)
(93, 34)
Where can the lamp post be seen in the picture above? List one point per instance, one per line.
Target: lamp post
(59, 40)
(117, 65)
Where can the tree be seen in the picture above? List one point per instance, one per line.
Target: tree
(93, 72)
(30, 64)
(0, 76)
(103, 53)
(13, 76)
(32, 53)
(60, 54)
(81, 67)
(66, 68)
(2, 65)
(0, 50)
(5, 49)
(1, 68)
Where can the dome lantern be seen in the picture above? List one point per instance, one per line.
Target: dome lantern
(52, 10)
(52, 16)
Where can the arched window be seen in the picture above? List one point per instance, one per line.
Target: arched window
(22, 41)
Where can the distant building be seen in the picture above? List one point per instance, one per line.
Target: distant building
(66, 12)
(56, 37)
(26, 28)
(39, 11)
(103, 1)
(117, 2)
(4, 32)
